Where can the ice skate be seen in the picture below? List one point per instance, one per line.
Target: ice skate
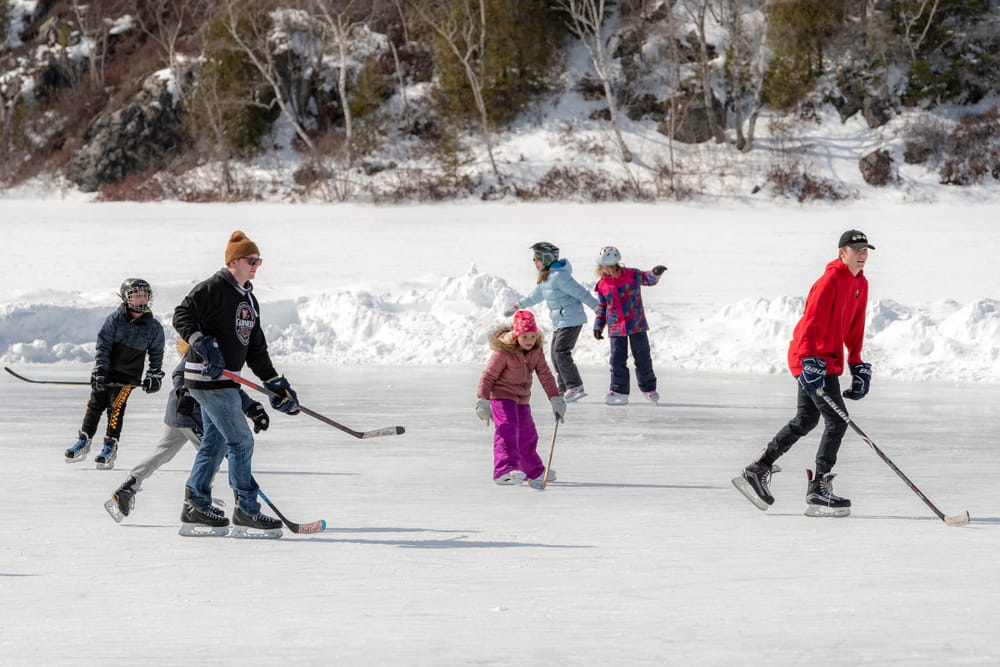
(614, 398)
(537, 483)
(511, 478)
(198, 523)
(754, 482)
(653, 396)
(79, 450)
(122, 501)
(106, 459)
(258, 526)
(820, 498)
(574, 394)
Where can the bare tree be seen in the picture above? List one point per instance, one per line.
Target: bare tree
(911, 15)
(586, 21)
(461, 24)
(746, 62)
(248, 25)
(342, 20)
(698, 11)
(94, 28)
(167, 22)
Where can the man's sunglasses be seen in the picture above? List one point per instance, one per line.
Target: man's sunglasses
(254, 261)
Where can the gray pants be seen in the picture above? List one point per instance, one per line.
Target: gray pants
(563, 342)
(171, 442)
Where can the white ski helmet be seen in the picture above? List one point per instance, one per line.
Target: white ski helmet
(609, 256)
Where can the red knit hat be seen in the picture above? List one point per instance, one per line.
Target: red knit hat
(524, 322)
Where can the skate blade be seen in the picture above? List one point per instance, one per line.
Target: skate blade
(744, 487)
(112, 507)
(824, 511)
(81, 455)
(105, 466)
(248, 533)
(575, 398)
(201, 530)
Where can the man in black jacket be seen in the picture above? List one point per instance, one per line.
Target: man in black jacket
(220, 319)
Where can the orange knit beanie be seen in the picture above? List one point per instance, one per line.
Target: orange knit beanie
(240, 246)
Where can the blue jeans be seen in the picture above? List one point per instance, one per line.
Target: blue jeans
(226, 433)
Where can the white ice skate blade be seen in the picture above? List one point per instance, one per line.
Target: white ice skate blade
(511, 478)
(105, 466)
(744, 487)
(246, 532)
(112, 507)
(824, 511)
(79, 456)
(575, 398)
(202, 530)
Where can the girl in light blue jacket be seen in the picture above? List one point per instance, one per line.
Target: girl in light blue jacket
(565, 298)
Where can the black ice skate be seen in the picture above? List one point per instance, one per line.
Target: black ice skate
(753, 483)
(106, 459)
(259, 526)
(820, 498)
(196, 523)
(122, 500)
(78, 451)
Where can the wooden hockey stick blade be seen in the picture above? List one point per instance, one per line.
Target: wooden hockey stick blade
(298, 528)
(957, 520)
(388, 430)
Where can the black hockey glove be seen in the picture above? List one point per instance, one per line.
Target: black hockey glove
(259, 417)
(185, 402)
(861, 379)
(152, 383)
(598, 334)
(285, 399)
(99, 379)
(208, 350)
(659, 269)
(813, 375)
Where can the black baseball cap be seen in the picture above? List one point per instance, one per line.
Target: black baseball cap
(855, 239)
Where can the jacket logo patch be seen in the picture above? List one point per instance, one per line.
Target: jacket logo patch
(244, 322)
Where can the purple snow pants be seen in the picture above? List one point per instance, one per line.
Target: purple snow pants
(515, 441)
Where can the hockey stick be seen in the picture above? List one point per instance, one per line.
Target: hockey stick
(388, 430)
(299, 528)
(552, 449)
(73, 382)
(957, 520)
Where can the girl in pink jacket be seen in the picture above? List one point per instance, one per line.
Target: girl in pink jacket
(504, 394)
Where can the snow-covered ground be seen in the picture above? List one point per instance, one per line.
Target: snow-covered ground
(640, 553)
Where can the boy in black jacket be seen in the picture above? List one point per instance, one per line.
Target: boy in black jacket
(128, 335)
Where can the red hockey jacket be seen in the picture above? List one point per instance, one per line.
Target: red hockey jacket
(834, 318)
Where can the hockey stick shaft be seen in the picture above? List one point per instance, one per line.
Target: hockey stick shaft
(71, 382)
(388, 430)
(552, 449)
(958, 520)
(298, 528)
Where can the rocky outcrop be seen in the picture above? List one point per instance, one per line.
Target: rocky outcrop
(142, 137)
(876, 168)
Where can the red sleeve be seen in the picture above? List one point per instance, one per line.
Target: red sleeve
(816, 318)
(855, 338)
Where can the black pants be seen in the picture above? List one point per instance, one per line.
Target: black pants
(563, 342)
(112, 399)
(641, 357)
(808, 411)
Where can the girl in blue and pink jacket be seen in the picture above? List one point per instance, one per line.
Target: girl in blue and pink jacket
(620, 309)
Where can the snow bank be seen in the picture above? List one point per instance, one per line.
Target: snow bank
(425, 322)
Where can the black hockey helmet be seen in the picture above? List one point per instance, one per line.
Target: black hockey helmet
(132, 285)
(546, 252)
